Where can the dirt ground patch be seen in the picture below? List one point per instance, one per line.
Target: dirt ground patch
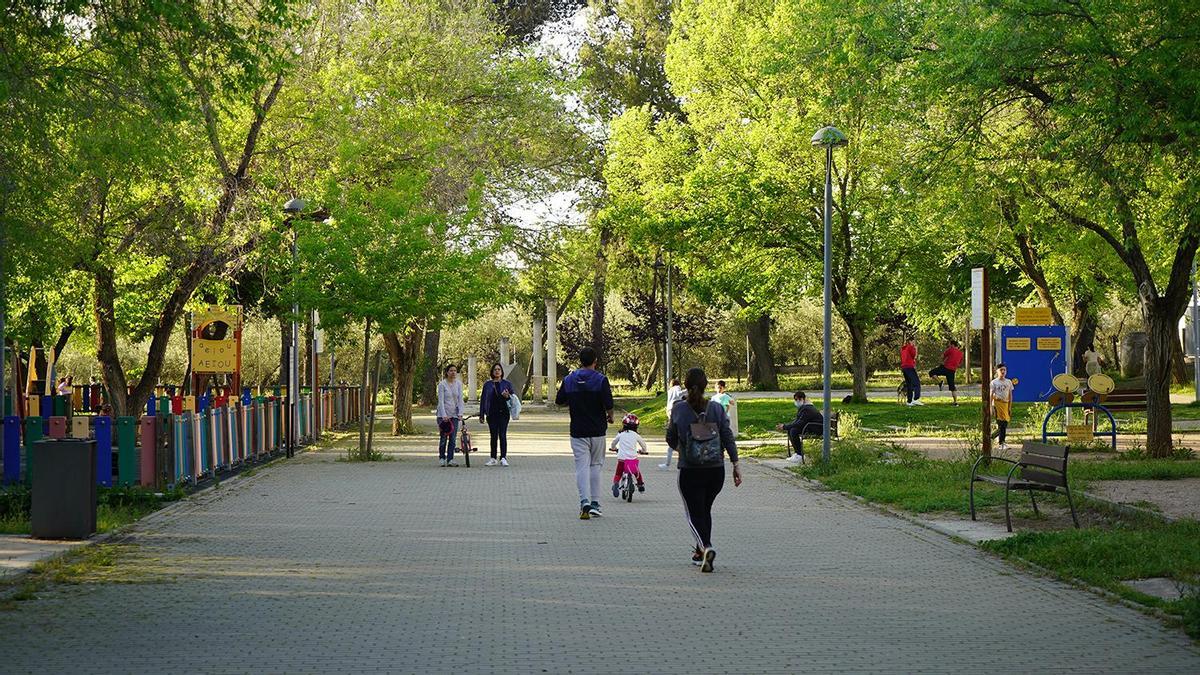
(1176, 498)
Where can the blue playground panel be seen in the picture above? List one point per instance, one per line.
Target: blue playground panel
(1031, 364)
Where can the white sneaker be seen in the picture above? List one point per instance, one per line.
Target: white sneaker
(795, 459)
(664, 466)
(491, 462)
(917, 401)
(441, 462)
(910, 404)
(503, 462)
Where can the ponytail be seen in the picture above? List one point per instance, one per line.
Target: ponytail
(695, 383)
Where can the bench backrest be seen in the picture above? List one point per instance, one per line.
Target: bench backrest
(1049, 463)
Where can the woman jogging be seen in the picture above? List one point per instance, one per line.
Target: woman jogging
(493, 406)
(700, 432)
(449, 414)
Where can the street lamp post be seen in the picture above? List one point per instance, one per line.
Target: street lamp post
(293, 208)
(659, 266)
(829, 138)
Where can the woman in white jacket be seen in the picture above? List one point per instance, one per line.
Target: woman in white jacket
(449, 414)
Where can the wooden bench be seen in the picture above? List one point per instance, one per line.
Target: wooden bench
(813, 430)
(1043, 467)
(1130, 399)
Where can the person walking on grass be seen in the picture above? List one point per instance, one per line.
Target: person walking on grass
(493, 406)
(588, 395)
(908, 367)
(449, 414)
(700, 431)
(674, 395)
(1002, 392)
(952, 358)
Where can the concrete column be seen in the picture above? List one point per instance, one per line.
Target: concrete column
(551, 351)
(537, 360)
(472, 378)
(505, 361)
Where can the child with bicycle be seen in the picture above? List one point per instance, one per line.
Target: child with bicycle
(628, 445)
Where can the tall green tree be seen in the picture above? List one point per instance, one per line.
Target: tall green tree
(425, 123)
(1104, 95)
(150, 157)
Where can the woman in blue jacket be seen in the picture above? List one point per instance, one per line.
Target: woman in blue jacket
(493, 406)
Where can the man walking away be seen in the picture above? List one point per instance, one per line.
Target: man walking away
(952, 358)
(908, 366)
(589, 397)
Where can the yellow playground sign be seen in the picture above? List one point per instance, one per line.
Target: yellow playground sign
(1015, 344)
(214, 356)
(1079, 433)
(1034, 316)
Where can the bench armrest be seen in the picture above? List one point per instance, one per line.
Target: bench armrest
(975, 466)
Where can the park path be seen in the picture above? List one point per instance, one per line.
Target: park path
(317, 565)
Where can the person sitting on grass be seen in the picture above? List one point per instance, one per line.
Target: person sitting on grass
(808, 422)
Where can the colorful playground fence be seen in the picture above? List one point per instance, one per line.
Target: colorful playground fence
(181, 440)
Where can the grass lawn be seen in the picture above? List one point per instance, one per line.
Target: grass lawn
(1125, 548)
(757, 417)
(906, 479)
(1105, 558)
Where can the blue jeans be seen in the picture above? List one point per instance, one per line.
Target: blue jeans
(451, 440)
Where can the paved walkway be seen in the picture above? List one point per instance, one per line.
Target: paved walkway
(317, 565)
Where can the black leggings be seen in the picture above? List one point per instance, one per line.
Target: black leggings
(498, 426)
(699, 488)
(943, 371)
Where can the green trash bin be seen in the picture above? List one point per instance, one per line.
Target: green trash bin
(64, 489)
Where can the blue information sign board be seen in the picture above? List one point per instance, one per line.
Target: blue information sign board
(1034, 355)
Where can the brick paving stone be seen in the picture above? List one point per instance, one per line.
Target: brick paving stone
(323, 566)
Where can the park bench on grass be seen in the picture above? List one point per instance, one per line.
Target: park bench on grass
(814, 430)
(1043, 467)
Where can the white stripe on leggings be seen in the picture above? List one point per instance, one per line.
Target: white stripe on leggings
(687, 515)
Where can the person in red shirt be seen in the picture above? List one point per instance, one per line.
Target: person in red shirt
(952, 358)
(908, 366)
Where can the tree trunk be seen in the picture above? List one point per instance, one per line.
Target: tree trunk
(651, 379)
(762, 363)
(858, 360)
(404, 352)
(103, 297)
(1179, 369)
(599, 283)
(1160, 327)
(430, 375)
(363, 400)
(1083, 332)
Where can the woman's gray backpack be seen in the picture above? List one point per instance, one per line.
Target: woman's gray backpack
(704, 443)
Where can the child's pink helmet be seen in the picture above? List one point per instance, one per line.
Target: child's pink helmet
(630, 420)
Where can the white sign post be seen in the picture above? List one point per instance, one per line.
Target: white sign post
(977, 298)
